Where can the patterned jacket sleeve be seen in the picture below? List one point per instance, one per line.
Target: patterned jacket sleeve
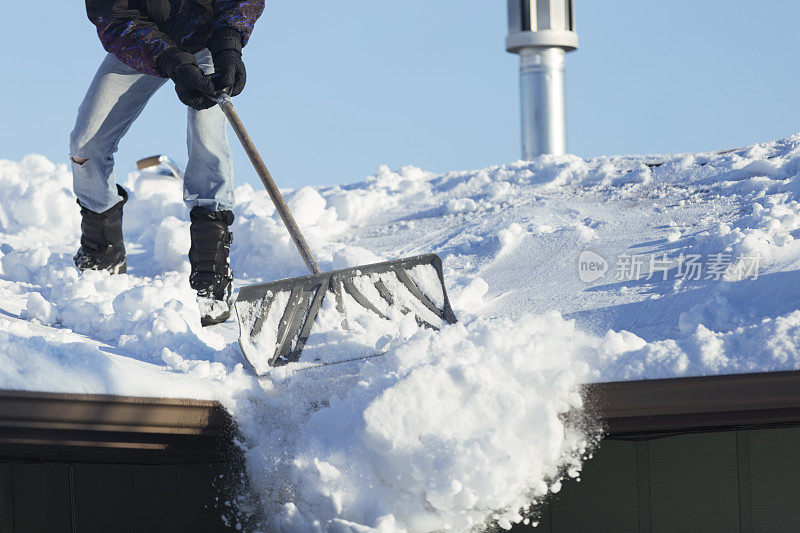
(126, 33)
(241, 15)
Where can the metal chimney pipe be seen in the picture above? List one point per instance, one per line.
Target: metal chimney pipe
(541, 32)
(542, 105)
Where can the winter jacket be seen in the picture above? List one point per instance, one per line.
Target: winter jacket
(138, 31)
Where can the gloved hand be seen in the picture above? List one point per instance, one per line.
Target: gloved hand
(194, 88)
(226, 50)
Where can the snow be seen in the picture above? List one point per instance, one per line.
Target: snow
(425, 277)
(401, 427)
(171, 244)
(562, 271)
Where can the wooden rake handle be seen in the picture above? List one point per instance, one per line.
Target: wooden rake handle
(266, 178)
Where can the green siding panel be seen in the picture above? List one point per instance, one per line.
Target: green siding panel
(745, 486)
(230, 484)
(728, 481)
(41, 498)
(747, 480)
(594, 504)
(6, 500)
(694, 483)
(197, 500)
(643, 486)
(155, 499)
(605, 499)
(775, 479)
(545, 524)
(103, 498)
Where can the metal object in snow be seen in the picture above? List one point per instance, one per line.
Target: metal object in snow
(161, 164)
(293, 305)
(541, 31)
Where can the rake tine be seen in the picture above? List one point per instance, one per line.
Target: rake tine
(313, 310)
(291, 322)
(263, 312)
(359, 297)
(414, 289)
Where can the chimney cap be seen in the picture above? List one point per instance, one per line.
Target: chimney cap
(541, 24)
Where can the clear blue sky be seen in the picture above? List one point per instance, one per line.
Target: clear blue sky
(337, 88)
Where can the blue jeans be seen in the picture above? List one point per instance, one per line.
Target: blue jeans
(115, 98)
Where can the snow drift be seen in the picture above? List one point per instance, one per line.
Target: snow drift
(696, 259)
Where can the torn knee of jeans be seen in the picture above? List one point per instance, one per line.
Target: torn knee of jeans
(78, 160)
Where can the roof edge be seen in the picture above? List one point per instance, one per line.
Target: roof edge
(705, 403)
(103, 428)
(60, 427)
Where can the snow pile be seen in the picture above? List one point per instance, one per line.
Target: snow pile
(443, 432)
(694, 262)
(770, 345)
(35, 199)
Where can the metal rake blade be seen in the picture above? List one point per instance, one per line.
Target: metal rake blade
(276, 319)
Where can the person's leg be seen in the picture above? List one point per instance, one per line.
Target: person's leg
(208, 180)
(115, 98)
(208, 192)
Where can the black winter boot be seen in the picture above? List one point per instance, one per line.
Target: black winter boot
(209, 255)
(102, 247)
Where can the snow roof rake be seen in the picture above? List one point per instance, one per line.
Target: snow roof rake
(276, 319)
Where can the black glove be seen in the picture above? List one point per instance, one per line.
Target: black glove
(194, 88)
(226, 50)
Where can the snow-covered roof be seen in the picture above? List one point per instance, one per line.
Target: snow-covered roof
(562, 271)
